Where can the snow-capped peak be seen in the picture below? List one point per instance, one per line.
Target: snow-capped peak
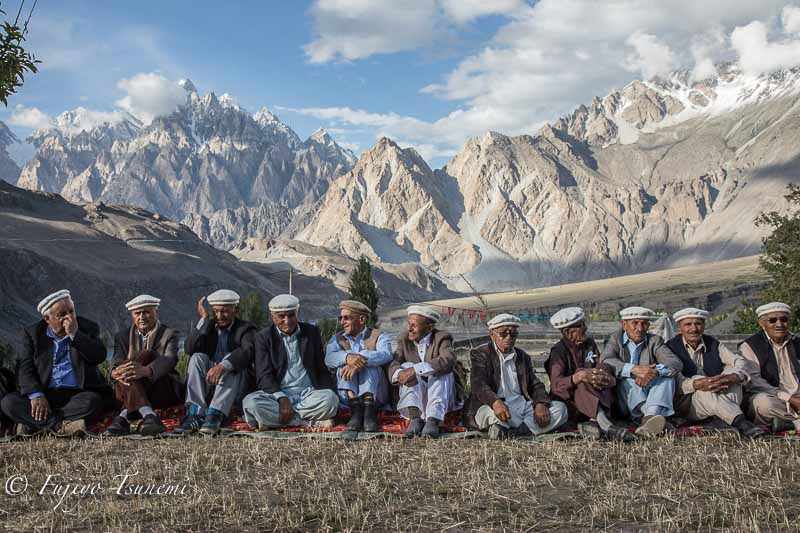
(187, 84)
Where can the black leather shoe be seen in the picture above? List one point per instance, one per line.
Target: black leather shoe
(119, 427)
(371, 417)
(152, 425)
(356, 422)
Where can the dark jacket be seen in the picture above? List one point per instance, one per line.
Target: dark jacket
(35, 362)
(485, 377)
(562, 365)
(272, 360)
(165, 343)
(655, 351)
(241, 342)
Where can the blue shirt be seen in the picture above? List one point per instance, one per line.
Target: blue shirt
(296, 379)
(335, 357)
(62, 375)
(222, 344)
(636, 352)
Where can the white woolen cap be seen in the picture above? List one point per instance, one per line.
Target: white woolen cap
(223, 297)
(637, 313)
(283, 303)
(567, 317)
(504, 319)
(424, 310)
(690, 312)
(49, 300)
(143, 300)
(773, 307)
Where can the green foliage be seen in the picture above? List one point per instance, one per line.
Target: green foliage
(746, 321)
(363, 288)
(781, 254)
(15, 61)
(328, 328)
(252, 309)
(182, 366)
(7, 355)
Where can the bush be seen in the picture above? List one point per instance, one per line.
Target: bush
(746, 321)
(328, 328)
(252, 309)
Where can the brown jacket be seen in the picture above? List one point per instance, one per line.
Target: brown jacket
(165, 344)
(439, 353)
(485, 378)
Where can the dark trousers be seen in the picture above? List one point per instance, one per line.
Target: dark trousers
(164, 392)
(586, 401)
(65, 404)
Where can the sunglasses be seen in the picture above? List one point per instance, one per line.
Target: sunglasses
(508, 333)
(781, 319)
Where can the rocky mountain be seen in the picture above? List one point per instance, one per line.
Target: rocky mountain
(108, 254)
(9, 170)
(662, 173)
(210, 164)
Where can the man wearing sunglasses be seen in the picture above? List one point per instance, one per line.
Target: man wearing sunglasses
(506, 396)
(773, 354)
(358, 355)
(579, 380)
(712, 379)
(645, 370)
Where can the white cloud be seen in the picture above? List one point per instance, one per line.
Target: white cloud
(355, 29)
(462, 11)
(150, 95)
(757, 54)
(651, 57)
(82, 119)
(30, 117)
(790, 16)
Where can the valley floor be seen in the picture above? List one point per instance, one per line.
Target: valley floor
(702, 483)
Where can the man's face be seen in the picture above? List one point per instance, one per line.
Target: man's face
(504, 337)
(576, 333)
(692, 330)
(636, 329)
(776, 325)
(145, 318)
(418, 327)
(224, 314)
(56, 315)
(352, 323)
(285, 321)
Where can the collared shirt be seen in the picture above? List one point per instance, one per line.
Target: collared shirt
(63, 375)
(296, 379)
(635, 350)
(509, 383)
(335, 357)
(423, 368)
(787, 385)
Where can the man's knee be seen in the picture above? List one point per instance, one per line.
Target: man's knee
(11, 402)
(198, 362)
(766, 404)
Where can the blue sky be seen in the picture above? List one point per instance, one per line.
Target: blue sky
(429, 73)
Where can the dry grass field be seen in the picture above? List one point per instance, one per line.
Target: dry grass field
(241, 484)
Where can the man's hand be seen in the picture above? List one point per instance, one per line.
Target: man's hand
(40, 409)
(407, 377)
(214, 375)
(794, 402)
(600, 378)
(541, 414)
(356, 361)
(726, 381)
(716, 383)
(286, 411)
(201, 308)
(131, 371)
(70, 324)
(501, 410)
(581, 376)
(644, 374)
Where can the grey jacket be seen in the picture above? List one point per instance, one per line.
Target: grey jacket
(655, 351)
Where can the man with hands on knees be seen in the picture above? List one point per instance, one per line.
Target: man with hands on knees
(506, 397)
(645, 370)
(60, 384)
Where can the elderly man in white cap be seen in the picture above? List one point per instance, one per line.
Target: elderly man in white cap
(775, 371)
(221, 364)
(579, 380)
(424, 367)
(143, 369)
(645, 370)
(506, 398)
(294, 386)
(60, 385)
(710, 383)
(358, 355)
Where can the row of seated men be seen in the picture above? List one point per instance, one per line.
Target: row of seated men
(283, 376)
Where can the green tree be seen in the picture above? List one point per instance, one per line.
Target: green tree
(252, 309)
(15, 61)
(363, 288)
(746, 321)
(327, 329)
(781, 254)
